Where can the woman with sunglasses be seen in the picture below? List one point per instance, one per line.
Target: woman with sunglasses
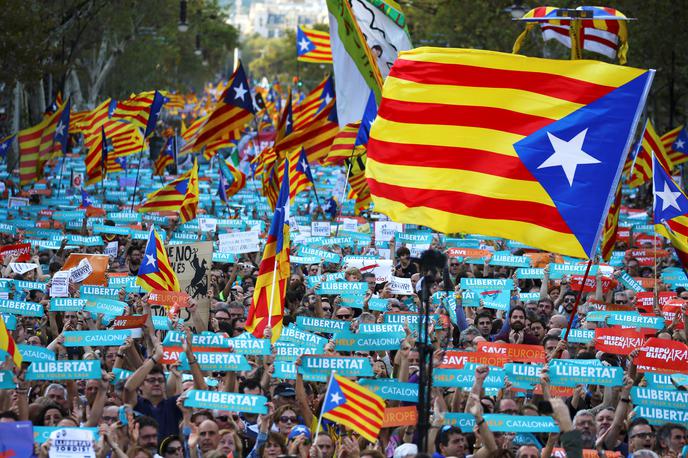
(285, 419)
(171, 447)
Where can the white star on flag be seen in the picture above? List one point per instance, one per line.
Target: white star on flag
(60, 129)
(568, 155)
(336, 398)
(304, 165)
(303, 44)
(240, 92)
(668, 197)
(150, 260)
(680, 144)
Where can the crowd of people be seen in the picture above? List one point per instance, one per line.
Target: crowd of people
(137, 405)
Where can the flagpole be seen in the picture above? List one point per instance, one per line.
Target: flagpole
(138, 169)
(578, 297)
(272, 291)
(59, 186)
(346, 185)
(320, 416)
(315, 192)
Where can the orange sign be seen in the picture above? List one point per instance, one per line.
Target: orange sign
(457, 359)
(99, 262)
(168, 298)
(518, 353)
(467, 253)
(400, 416)
(129, 321)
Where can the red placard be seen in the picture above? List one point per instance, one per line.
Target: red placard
(590, 283)
(618, 341)
(606, 307)
(467, 253)
(170, 354)
(644, 299)
(646, 253)
(168, 298)
(662, 355)
(129, 321)
(517, 353)
(21, 250)
(400, 416)
(623, 233)
(457, 359)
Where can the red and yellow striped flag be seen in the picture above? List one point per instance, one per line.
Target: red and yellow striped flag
(7, 344)
(313, 46)
(313, 103)
(354, 406)
(668, 139)
(315, 137)
(611, 225)
(179, 195)
(504, 145)
(342, 147)
(651, 144)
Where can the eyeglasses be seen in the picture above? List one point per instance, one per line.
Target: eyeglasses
(642, 435)
(569, 300)
(454, 264)
(109, 419)
(361, 354)
(226, 417)
(287, 419)
(344, 315)
(620, 301)
(173, 450)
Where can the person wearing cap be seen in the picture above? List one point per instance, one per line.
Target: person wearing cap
(299, 441)
(283, 394)
(406, 451)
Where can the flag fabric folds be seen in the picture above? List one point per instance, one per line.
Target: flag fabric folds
(670, 211)
(37, 143)
(5, 145)
(180, 195)
(155, 271)
(313, 46)
(354, 406)
(343, 146)
(611, 226)
(651, 145)
(232, 180)
(603, 31)
(7, 344)
(232, 112)
(518, 148)
(267, 307)
(166, 157)
(675, 142)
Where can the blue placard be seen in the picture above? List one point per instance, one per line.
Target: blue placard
(235, 402)
(64, 370)
(96, 338)
(659, 416)
(319, 254)
(67, 304)
(314, 324)
(216, 361)
(21, 308)
(349, 341)
(42, 433)
(343, 365)
(668, 399)
(33, 353)
(392, 389)
(292, 334)
(564, 373)
(634, 319)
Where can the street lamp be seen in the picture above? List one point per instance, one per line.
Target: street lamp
(183, 26)
(517, 10)
(198, 50)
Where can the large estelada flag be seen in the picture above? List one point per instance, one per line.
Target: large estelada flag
(269, 296)
(504, 145)
(670, 210)
(313, 46)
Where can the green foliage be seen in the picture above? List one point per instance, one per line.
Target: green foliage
(276, 58)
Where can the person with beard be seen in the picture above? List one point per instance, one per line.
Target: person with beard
(584, 421)
(515, 330)
(134, 258)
